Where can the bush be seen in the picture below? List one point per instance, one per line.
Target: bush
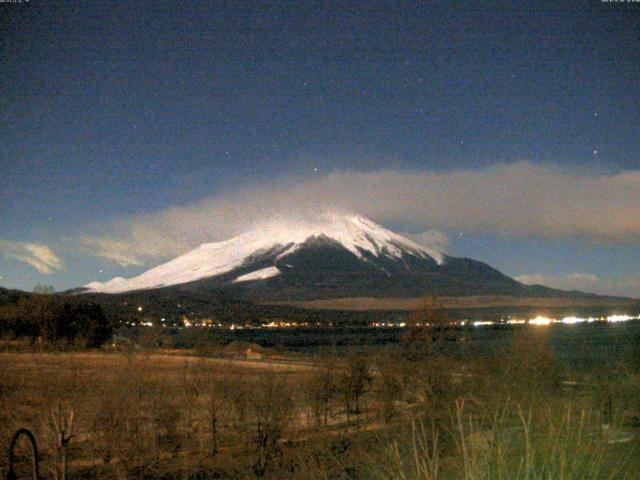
(56, 320)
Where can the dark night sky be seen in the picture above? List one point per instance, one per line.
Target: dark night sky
(114, 113)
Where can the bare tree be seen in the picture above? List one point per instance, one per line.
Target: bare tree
(530, 364)
(216, 391)
(389, 384)
(355, 380)
(59, 426)
(320, 389)
(263, 409)
(428, 330)
(44, 289)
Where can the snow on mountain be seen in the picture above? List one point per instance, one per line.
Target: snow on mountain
(357, 234)
(258, 274)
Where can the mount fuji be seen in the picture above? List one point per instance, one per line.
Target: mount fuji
(333, 256)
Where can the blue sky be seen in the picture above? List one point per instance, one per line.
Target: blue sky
(120, 118)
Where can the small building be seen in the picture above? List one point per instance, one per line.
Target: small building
(250, 354)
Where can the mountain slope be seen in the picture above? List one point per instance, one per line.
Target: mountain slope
(336, 256)
(269, 243)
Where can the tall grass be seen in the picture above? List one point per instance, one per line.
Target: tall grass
(421, 416)
(559, 442)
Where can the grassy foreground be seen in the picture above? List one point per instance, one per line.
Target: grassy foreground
(403, 412)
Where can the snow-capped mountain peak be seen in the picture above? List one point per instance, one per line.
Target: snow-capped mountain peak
(279, 237)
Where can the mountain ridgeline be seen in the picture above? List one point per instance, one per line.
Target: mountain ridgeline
(323, 269)
(335, 257)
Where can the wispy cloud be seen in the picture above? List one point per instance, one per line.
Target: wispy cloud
(39, 256)
(117, 251)
(433, 239)
(586, 282)
(571, 281)
(520, 199)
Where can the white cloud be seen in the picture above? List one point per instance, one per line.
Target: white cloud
(571, 281)
(116, 251)
(586, 282)
(432, 239)
(39, 256)
(518, 199)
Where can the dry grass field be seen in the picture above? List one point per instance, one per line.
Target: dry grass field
(476, 301)
(124, 402)
(388, 413)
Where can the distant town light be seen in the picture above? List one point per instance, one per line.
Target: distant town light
(572, 320)
(483, 322)
(539, 320)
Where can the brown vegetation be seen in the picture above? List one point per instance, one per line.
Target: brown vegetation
(413, 410)
(474, 301)
(55, 320)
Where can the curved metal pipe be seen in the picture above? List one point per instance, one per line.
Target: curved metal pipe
(11, 474)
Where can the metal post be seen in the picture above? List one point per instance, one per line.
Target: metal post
(11, 474)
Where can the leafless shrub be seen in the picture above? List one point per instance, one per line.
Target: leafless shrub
(59, 429)
(122, 419)
(320, 390)
(263, 409)
(166, 416)
(389, 383)
(529, 370)
(354, 381)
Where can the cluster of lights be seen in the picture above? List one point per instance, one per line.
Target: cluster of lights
(389, 324)
(186, 323)
(205, 323)
(573, 320)
(537, 321)
(544, 321)
(480, 323)
(282, 324)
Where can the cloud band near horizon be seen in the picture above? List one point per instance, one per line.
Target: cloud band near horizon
(39, 256)
(520, 200)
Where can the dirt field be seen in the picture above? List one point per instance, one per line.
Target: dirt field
(147, 396)
(169, 358)
(171, 414)
(370, 303)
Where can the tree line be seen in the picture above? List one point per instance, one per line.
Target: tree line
(54, 319)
